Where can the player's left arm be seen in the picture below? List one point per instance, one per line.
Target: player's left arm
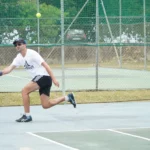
(50, 72)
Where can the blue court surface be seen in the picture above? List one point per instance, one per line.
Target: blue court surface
(103, 126)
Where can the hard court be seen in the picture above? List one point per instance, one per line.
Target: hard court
(104, 126)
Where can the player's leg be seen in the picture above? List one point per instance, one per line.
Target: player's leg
(30, 87)
(45, 85)
(47, 103)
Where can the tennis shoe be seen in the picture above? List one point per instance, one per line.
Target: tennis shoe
(24, 118)
(72, 99)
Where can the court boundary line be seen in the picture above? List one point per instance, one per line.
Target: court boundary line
(88, 129)
(25, 148)
(13, 76)
(85, 130)
(51, 141)
(18, 77)
(128, 134)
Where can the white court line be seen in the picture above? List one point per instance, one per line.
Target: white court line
(84, 130)
(15, 77)
(68, 147)
(136, 136)
(25, 148)
(18, 77)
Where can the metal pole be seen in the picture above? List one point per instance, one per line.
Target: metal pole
(38, 27)
(145, 48)
(120, 19)
(109, 28)
(69, 26)
(97, 41)
(62, 46)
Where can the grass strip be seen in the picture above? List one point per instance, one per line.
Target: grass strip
(83, 97)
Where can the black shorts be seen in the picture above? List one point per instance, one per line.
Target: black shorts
(44, 82)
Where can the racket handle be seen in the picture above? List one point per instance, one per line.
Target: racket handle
(1, 73)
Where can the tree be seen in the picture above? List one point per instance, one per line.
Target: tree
(20, 15)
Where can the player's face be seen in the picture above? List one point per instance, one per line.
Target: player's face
(20, 47)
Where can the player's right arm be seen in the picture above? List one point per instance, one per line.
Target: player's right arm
(14, 64)
(7, 70)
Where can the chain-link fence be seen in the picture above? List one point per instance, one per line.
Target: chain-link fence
(79, 33)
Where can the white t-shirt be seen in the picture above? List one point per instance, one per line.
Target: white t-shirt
(31, 62)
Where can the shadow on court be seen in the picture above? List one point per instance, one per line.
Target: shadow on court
(108, 126)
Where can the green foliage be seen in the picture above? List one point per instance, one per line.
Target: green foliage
(129, 7)
(8, 1)
(48, 22)
(27, 9)
(20, 15)
(55, 3)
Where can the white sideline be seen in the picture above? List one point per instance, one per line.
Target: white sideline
(18, 77)
(25, 148)
(70, 148)
(136, 136)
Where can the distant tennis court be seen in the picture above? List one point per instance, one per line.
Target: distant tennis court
(84, 79)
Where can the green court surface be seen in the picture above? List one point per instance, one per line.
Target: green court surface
(84, 79)
(107, 139)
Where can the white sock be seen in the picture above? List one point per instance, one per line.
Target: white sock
(27, 114)
(66, 98)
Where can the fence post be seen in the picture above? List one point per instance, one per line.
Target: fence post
(62, 46)
(38, 27)
(145, 48)
(97, 42)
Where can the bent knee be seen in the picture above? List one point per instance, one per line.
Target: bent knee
(24, 91)
(45, 106)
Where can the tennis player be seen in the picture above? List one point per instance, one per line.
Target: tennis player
(42, 78)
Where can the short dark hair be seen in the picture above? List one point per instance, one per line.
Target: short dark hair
(19, 41)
